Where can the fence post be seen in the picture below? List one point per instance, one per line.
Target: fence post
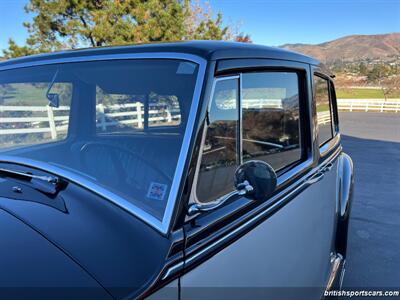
(52, 123)
(351, 105)
(169, 116)
(382, 104)
(139, 114)
(100, 108)
(366, 107)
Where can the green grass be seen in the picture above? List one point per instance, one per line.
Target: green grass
(322, 107)
(24, 94)
(348, 93)
(29, 94)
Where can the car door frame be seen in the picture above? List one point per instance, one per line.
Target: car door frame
(198, 239)
(207, 234)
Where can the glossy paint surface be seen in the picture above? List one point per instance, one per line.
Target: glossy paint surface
(100, 244)
(119, 251)
(290, 249)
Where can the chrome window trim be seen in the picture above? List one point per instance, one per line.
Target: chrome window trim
(282, 179)
(161, 225)
(240, 118)
(328, 144)
(193, 194)
(270, 205)
(332, 143)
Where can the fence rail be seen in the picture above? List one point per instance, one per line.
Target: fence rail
(323, 117)
(374, 105)
(44, 119)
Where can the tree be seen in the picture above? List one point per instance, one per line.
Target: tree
(69, 24)
(390, 86)
(362, 69)
(386, 77)
(378, 73)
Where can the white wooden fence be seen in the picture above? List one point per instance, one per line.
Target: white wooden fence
(374, 105)
(323, 117)
(45, 119)
(31, 124)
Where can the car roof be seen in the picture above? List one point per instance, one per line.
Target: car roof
(209, 50)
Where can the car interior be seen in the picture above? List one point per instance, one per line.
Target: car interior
(135, 161)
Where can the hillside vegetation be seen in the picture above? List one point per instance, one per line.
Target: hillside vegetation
(354, 48)
(362, 61)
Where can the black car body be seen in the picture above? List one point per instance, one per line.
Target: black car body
(117, 170)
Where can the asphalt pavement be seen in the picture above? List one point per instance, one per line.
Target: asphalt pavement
(373, 142)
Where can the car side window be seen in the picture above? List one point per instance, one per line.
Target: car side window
(324, 110)
(219, 154)
(271, 118)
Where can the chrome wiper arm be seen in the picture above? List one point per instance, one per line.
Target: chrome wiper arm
(12, 173)
(49, 185)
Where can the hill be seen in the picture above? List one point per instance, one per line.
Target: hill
(354, 48)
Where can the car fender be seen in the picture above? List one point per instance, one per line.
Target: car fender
(345, 197)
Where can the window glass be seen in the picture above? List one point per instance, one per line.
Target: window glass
(164, 110)
(324, 114)
(114, 97)
(271, 118)
(26, 116)
(220, 158)
(126, 112)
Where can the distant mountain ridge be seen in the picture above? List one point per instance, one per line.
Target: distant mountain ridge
(353, 48)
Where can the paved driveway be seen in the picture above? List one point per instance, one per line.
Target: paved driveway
(373, 141)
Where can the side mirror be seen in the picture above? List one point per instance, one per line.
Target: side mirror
(255, 178)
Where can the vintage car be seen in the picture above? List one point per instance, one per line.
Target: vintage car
(191, 170)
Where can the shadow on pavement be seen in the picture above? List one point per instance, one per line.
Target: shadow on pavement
(374, 235)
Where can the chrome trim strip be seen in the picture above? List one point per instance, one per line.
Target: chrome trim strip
(253, 219)
(342, 273)
(294, 171)
(240, 118)
(332, 143)
(193, 194)
(202, 207)
(172, 270)
(273, 201)
(335, 262)
(185, 147)
(161, 225)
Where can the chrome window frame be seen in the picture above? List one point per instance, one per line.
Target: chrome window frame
(193, 193)
(163, 226)
(281, 180)
(328, 144)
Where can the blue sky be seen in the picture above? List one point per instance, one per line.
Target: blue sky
(269, 22)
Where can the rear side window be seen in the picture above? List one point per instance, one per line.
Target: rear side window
(324, 109)
(220, 155)
(271, 118)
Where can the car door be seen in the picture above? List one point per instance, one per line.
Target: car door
(282, 246)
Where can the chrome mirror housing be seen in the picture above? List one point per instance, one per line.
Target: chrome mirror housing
(255, 179)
